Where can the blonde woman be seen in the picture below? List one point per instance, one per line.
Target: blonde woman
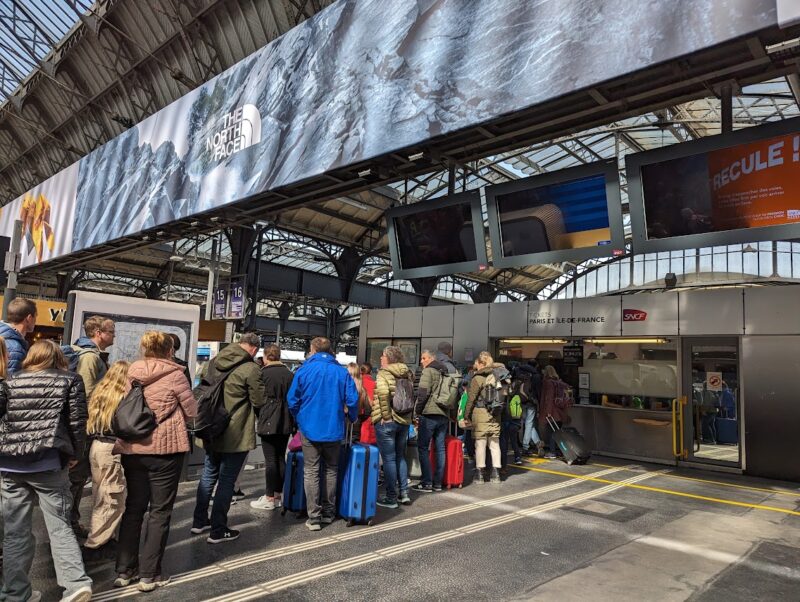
(108, 478)
(153, 465)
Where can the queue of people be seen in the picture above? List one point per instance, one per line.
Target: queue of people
(58, 407)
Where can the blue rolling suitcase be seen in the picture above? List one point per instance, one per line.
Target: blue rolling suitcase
(358, 492)
(294, 491)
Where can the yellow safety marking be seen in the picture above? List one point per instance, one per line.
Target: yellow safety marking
(542, 461)
(720, 483)
(666, 491)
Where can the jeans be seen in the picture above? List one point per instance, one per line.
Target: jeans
(19, 493)
(78, 475)
(152, 482)
(509, 433)
(320, 497)
(530, 432)
(469, 443)
(274, 447)
(431, 428)
(222, 470)
(392, 441)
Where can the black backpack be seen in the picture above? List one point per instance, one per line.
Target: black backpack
(133, 419)
(523, 386)
(494, 393)
(212, 417)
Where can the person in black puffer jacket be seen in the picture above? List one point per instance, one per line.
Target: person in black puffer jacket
(41, 434)
(275, 424)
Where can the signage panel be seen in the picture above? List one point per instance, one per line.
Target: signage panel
(596, 316)
(650, 314)
(549, 318)
(220, 302)
(237, 292)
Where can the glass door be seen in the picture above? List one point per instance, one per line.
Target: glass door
(711, 387)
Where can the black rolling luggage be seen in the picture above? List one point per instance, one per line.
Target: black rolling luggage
(571, 443)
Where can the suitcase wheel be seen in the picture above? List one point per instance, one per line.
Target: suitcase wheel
(369, 523)
(351, 522)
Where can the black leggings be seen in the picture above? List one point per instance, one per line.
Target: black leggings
(274, 447)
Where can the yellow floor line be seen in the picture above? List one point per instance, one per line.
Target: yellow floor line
(720, 483)
(666, 491)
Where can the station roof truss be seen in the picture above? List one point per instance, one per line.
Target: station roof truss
(77, 74)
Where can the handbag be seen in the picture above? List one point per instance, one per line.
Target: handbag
(295, 443)
(133, 419)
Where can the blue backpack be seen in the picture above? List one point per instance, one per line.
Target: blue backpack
(72, 357)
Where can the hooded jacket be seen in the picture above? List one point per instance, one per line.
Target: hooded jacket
(429, 382)
(483, 423)
(320, 390)
(91, 365)
(167, 394)
(244, 392)
(16, 345)
(384, 392)
(274, 417)
(46, 410)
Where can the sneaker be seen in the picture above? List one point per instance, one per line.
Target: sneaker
(313, 525)
(437, 488)
(327, 520)
(477, 476)
(125, 579)
(226, 535)
(239, 495)
(550, 456)
(385, 502)
(423, 488)
(149, 584)
(199, 530)
(404, 499)
(518, 461)
(494, 476)
(264, 503)
(84, 594)
(36, 596)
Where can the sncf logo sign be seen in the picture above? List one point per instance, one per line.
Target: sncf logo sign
(633, 315)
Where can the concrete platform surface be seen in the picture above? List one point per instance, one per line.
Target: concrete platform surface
(610, 530)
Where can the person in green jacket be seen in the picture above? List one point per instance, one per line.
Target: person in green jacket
(225, 455)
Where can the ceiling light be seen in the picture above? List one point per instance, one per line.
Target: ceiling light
(645, 340)
(364, 173)
(416, 156)
(534, 341)
(353, 203)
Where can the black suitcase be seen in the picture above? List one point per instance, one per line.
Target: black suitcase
(571, 443)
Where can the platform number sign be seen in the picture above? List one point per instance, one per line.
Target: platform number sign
(236, 310)
(220, 302)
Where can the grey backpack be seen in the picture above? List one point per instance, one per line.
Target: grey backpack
(403, 398)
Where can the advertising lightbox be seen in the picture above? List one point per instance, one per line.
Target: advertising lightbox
(732, 188)
(437, 237)
(569, 215)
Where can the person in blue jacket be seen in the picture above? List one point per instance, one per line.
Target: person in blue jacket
(21, 320)
(322, 395)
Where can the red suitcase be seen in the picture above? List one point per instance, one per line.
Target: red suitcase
(453, 462)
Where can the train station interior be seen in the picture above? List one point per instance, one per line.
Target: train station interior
(607, 191)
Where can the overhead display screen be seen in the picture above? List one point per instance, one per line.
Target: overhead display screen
(442, 236)
(728, 193)
(570, 214)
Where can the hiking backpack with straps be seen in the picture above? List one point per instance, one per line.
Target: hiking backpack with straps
(403, 398)
(212, 416)
(447, 392)
(495, 389)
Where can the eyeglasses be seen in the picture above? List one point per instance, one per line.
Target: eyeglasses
(111, 332)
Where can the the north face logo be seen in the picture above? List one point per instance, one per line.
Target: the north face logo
(633, 315)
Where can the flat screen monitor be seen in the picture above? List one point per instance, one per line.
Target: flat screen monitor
(726, 189)
(437, 237)
(568, 215)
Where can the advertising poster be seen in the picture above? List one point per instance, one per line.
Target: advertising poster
(420, 237)
(745, 186)
(236, 311)
(568, 215)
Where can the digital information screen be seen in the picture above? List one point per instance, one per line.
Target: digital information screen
(437, 237)
(566, 215)
(732, 193)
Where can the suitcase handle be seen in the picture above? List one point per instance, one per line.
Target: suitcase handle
(552, 423)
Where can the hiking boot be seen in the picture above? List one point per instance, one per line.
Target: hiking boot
(385, 502)
(477, 476)
(494, 476)
(125, 579)
(150, 584)
(222, 537)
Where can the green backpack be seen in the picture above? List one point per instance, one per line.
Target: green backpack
(515, 407)
(462, 405)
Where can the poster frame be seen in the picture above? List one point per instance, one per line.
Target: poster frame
(635, 162)
(607, 168)
(474, 198)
